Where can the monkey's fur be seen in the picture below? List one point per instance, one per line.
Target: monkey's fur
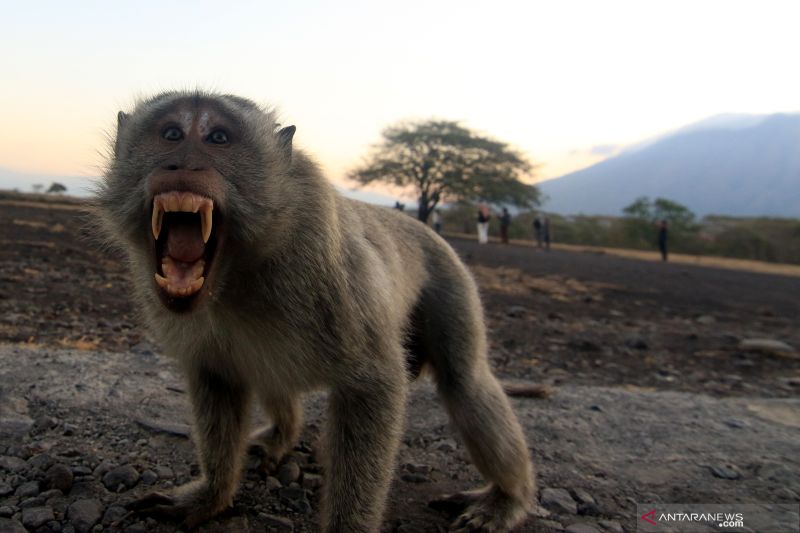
(303, 289)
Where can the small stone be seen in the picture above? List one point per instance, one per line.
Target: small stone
(295, 497)
(418, 469)
(272, 483)
(706, 320)
(552, 524)
(164, 472)
(149, 477)
(27, 490)
(276, 523)
(41, 461)
(636, 343)
(11, 526)
(102, 469)
(735, 423)
(113, 514)
(312, 481)
(768, 346)
(81, 471)
(559, 501)
(288, 473)
(123, 477)
(5, 489)
(12, 464)
(84, 514)
(6, 512)
(35, 517)
(582, 496)
(516, 311)
(44, 423)
(726, 472)
(36, 501)
(138, 527)
(446, 446)
(581, 528)
(59, 477)
(611, 525)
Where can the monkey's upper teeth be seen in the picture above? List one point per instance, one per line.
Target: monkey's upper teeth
(180, 201)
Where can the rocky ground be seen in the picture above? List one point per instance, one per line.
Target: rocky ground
(670, 384)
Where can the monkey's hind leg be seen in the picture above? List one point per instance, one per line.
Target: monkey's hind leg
(220, 410)
(279, 437)
(479, 409)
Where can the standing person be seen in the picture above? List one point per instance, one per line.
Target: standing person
(483, 223)
(505, 222)
(546, 233)
(437, 221)
(662, 239)
(537, 231)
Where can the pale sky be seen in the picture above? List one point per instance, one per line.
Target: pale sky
(565, 82)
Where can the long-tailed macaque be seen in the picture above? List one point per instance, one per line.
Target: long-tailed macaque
(264, 283)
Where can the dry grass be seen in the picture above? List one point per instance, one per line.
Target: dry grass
(683, 259)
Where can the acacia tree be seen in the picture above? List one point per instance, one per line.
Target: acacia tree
(446, 162)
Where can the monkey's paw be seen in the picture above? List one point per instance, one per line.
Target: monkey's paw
(191, 504)
(271, 446)
(486, 510)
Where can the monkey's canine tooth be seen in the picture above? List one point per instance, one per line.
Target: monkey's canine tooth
(206, 219)
(157, 218)
(162, 281)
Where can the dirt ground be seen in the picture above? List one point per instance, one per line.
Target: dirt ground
(663, 391)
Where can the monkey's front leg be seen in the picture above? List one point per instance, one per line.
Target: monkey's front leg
(220, 406)
(364, 425)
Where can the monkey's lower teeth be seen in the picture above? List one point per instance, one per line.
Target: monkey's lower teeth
(180, 279)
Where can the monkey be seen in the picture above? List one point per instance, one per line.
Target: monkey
(264, 284)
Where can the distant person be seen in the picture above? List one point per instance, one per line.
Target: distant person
(537, 231)
(399, 206)
(505, 222)
(437, 221)
(546, 233)
(483, 224)
(662, 239)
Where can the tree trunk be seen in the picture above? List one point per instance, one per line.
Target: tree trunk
(423, 210)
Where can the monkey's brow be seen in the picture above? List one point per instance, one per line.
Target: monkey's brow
(228, 117)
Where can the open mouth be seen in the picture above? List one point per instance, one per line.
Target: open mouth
(183, 229)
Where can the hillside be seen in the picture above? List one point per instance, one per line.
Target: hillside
(739, 167)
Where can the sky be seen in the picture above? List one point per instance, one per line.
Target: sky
(568, 83)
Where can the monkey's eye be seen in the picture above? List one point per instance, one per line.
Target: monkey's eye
(218, 137)
(172, 134)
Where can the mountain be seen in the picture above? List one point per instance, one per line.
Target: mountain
(740, 165)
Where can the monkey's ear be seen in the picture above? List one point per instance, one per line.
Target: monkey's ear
(121, 119)
(285, 139)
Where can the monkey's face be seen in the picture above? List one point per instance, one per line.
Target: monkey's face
(186, 158)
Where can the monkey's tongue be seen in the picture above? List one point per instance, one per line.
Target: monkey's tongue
(182, 263)
(185, 243)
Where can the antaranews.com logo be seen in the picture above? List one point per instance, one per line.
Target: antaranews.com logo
(688, 518)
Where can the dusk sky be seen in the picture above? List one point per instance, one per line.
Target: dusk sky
(568, 83)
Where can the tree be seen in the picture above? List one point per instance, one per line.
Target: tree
(677, 215)
(56, 188)
(642, 216)
(444, 161)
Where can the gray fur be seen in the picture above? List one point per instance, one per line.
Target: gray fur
(314, 291)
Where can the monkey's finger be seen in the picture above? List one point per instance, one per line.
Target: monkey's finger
(148, 501)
